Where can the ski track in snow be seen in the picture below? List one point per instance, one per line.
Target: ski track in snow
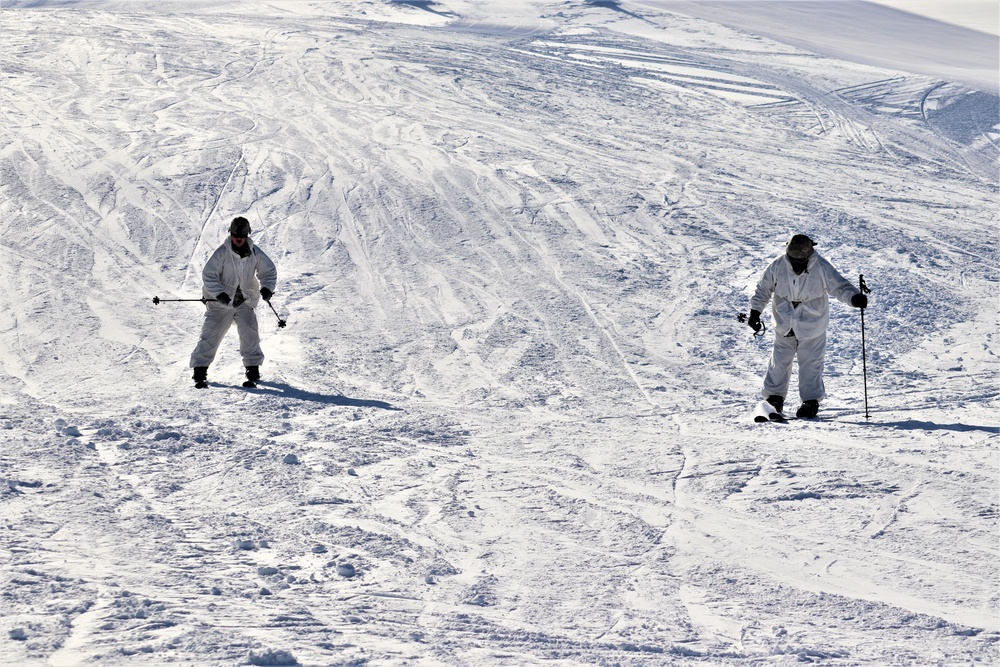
(509, 421)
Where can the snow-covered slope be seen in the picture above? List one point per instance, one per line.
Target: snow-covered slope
(978, 15)
(862, 32)
(509, 419)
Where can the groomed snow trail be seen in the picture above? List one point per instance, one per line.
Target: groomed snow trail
(509, 421)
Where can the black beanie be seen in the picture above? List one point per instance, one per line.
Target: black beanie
(240, 226)
(799, 246)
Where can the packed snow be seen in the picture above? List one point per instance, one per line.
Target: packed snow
(980, 15)
(510, 419)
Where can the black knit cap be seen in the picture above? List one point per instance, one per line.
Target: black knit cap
(799, 246)
(240, 227)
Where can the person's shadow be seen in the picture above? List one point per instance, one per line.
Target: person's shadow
(282, 390)
(615, 6)
(918, 425)
(426, 5)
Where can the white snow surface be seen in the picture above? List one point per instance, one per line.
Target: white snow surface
(861, 32)
(981, 15)
(510, 419)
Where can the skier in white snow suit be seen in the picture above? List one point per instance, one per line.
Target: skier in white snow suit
(236, 277)
(800, 283)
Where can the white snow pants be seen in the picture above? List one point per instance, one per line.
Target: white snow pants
(218, 320)
(779, 372)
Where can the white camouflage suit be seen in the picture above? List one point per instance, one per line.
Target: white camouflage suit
(801, 312)
(226, 271)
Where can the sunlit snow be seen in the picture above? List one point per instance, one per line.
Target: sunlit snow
(509, 421)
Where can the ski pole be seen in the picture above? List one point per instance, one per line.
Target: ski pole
(864, 353)
(157, 300)
(281, 322)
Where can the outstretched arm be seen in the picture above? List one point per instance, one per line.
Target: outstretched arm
(211, 275)
(840, 287)
(267, 272)
(765, 289)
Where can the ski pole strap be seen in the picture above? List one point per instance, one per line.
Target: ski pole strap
(742, 319)
(862, 285)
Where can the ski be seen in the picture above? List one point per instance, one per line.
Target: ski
(248, 384)
(765, 413)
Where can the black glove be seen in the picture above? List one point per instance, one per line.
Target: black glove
(859, 301)
(754, 320)
(222, 298)
(265, 293)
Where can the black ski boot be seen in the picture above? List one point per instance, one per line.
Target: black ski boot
(253, 374)
(808, 410)
(777, 402)
(200, 377)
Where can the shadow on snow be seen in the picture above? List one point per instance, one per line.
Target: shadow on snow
(426, 5)
(287, 391)
(615, 5)
(917, 425)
